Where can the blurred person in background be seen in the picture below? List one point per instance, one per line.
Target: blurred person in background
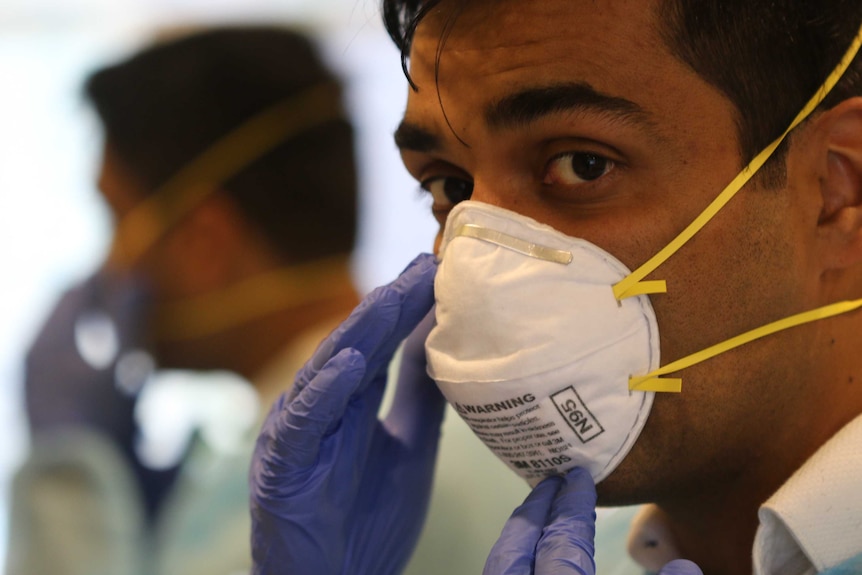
(228, 166)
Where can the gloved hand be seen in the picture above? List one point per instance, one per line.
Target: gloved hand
(553, 532)
(334, 489)
(71, 368)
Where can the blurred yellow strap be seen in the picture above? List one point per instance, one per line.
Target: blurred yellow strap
(632, 285)
(220, 162)
(653, 381)
(256, 297)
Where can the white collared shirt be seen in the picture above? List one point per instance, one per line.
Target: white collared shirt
(812, 523)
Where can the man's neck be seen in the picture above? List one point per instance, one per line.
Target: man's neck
(716, 531)
(715, 525)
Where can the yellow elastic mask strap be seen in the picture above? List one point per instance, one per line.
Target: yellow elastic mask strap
(258, 296)
(632, 285)
(229, 155)
(654, 382)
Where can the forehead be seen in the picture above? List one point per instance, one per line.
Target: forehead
(468, 54)
(496, 36)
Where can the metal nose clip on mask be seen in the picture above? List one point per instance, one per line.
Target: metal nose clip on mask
(547, 346)
(531, 347)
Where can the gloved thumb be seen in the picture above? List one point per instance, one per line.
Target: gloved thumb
(567, 544)
(418, 406)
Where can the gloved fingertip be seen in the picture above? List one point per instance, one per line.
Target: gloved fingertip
(414, 345)
(533, 512)
(680, 567)
(322, 354)
(576, 498)
(580, 478)
(548, 486)
(424, 259)
(345, 370)
(415, 291)
(420, 272)
(364, 326)
(346, 360)
(427, 264)
(304, 418)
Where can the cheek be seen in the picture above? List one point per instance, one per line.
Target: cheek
(441, 222)
(170, 270)
(737, 275)
(437, 240)
(740, 272)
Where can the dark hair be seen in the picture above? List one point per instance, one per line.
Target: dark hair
(767, 57)
(169, 103)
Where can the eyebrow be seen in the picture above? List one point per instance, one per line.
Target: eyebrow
(533, 104)
(530, 105)
(412, 137)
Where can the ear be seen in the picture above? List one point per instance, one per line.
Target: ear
(840, 166)
(218, 244)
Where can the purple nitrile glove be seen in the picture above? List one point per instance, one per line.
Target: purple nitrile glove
(335, 490)
(553, 532)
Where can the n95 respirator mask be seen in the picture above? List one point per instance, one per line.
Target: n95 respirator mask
(531, 347)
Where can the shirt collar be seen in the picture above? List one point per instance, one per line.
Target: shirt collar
(815, 515)
(810, 524)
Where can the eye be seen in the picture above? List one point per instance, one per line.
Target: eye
(576, 168)
(448, 191)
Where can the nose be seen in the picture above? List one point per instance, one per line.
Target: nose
(493, 193)
(509, 196)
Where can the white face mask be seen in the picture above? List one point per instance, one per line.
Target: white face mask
(547, 346)
(531, 347)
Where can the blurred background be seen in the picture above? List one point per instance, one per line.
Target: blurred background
(54, 226)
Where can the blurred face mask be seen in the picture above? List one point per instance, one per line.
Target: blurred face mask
(548, 347)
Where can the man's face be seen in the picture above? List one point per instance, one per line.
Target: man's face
(166, 267)
(576, 114)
